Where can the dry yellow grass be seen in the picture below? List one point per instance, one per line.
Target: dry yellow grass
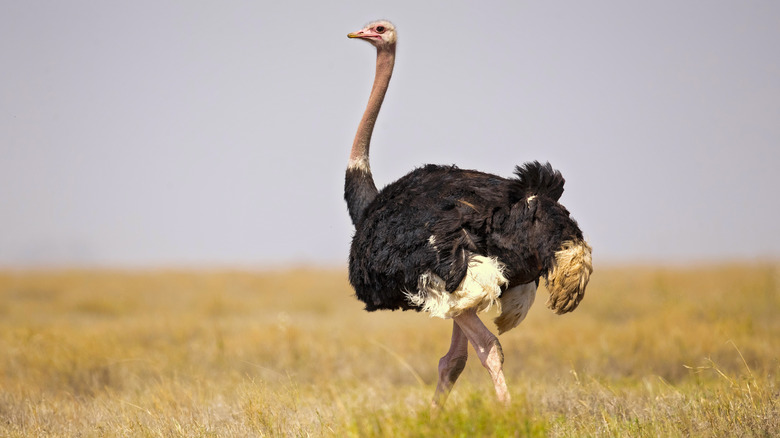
(649, 352)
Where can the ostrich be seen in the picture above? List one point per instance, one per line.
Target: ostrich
(454, 242)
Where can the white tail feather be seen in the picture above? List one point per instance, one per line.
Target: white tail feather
(566, 281)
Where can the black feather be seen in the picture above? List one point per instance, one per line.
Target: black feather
(534, 178)
(359, 191)
(436, 218)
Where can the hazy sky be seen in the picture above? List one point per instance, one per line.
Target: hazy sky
(188, 133)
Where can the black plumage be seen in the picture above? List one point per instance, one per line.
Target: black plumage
(436, 218)
(359, 191)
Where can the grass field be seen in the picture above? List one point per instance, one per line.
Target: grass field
(649, 352)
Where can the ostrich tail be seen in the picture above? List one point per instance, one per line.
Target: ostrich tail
(567, 280)
(536, 179)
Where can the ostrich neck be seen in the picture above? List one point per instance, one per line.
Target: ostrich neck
(358, 158)
(359, 187)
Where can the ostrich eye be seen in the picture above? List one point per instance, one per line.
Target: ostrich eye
(380, 29)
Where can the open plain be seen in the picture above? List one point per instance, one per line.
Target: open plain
(651, 351)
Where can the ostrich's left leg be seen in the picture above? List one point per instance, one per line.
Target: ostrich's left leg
(451, 365)
(488, 349)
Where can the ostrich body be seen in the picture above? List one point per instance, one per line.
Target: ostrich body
(453, 242)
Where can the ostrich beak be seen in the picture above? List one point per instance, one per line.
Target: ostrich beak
(366, 34)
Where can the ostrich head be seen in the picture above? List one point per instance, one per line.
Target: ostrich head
(381, 34)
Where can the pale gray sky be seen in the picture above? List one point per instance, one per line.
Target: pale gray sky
(152, 133)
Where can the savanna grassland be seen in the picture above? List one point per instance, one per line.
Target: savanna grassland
(649, 352)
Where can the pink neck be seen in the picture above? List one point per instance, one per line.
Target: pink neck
(358, 157)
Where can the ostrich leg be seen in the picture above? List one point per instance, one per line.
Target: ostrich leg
(488, 350)
(451, 365)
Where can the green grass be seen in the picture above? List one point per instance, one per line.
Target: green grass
(650, 352)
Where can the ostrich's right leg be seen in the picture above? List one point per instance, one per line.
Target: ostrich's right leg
(451, 365)
(488, 349)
